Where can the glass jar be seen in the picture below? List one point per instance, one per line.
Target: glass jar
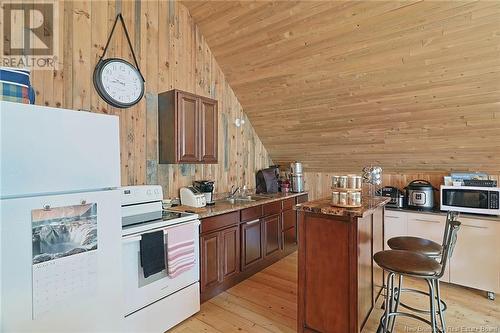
(335, 198)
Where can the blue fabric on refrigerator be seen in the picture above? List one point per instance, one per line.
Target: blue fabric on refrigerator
(15, 85)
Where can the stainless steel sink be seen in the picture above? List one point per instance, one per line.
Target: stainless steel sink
(248, 198)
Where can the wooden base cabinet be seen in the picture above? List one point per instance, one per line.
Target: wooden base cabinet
(272, 234)
(236, 245)
(476, 259)
(251, 243)
(289, 230)
(219, 249)
(210, 257)
(230, 246)
(474, 262)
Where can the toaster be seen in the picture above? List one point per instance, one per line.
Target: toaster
(190, 196)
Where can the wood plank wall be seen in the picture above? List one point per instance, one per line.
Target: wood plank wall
(319, 183)
(172, 53)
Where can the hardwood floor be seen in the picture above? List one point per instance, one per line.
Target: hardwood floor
(266, 302)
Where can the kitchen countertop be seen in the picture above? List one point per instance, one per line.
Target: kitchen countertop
(436, 211)
(323, 206)
(224, 206)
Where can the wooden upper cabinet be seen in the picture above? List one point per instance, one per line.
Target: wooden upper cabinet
(208, 144)
(187, 128)
(188, 125)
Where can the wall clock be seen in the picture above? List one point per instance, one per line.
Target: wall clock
(117, 81)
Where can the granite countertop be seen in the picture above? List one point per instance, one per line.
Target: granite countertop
(323, 206)
(224, 206)
(436, 211)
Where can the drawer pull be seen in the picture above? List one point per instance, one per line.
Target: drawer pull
(392, 217)
(474, 226)
(422, 220)
(252, 222)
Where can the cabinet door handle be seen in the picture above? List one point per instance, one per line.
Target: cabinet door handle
(474, 226)
(392, 217)
(252, 222)
(422, 220)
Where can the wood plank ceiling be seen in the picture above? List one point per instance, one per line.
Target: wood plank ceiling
(410, 85)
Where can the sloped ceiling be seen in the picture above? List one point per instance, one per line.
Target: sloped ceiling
(412, 85)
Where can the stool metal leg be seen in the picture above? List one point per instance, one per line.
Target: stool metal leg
(384, 321)
(397, 297)
(432, 305)
(440, 308)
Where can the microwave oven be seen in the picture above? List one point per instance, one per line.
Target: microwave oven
(471, 199)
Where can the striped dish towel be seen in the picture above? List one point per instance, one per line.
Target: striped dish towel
(180, 250)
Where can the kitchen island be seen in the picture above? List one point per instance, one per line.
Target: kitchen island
(338, 281)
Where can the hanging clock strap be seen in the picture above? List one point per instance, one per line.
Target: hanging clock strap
(120, 17)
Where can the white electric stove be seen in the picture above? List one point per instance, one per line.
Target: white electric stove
(158, 302)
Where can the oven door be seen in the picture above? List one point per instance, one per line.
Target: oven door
(139, 291)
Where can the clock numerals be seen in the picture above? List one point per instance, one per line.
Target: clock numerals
(120, 82)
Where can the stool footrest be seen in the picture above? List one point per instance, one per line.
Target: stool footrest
(381, 328)
(409, 290)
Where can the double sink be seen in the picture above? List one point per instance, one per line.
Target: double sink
(248, 198)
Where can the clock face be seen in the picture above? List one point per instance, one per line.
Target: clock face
(119, 83)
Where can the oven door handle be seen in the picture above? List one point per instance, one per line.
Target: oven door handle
(137, 236)
(131, 239)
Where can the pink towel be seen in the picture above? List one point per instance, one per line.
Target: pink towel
(180, 250)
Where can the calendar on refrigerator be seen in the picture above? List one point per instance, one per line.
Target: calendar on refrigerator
(65, 260)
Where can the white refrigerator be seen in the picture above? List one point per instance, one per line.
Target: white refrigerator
(60, 227)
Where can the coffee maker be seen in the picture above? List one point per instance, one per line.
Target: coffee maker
(207, 188)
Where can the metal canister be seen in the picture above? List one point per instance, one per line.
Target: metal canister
(359, 182)
(358, 199)
(335, 198)
(351, 198)
(351, 181)
(335, 181)
(296, 168)
(343, 182)
(343, 198)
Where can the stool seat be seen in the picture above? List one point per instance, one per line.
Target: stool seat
(407, 262)
(415, 244)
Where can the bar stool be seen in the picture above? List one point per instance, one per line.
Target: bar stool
(417, 265)
(428, 248)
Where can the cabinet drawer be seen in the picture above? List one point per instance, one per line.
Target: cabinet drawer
(395, 214)
(272, 208)
(288, 203)
(251, 213)
(218, 222)
(426, 218)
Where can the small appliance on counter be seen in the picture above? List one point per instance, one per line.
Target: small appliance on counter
(397, 196)
(420, 195)
(190, 196)
(207, 188)
(296, 177)
(471, 199)
(267, 180)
